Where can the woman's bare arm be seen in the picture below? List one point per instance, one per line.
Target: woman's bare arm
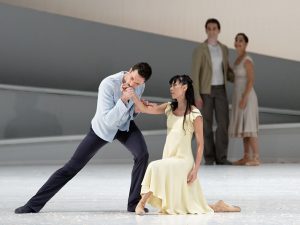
(198, 127)
(150, 108)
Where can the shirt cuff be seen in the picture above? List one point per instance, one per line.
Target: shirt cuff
(121, 106)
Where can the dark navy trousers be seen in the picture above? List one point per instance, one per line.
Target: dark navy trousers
(133, 140)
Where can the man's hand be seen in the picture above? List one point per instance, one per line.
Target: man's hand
(127, 94)
(199, 103)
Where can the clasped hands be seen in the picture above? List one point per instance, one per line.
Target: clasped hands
(129, 93)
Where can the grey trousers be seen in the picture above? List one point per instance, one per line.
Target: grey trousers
(215, 146)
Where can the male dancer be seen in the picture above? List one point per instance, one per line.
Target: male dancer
(113, 120)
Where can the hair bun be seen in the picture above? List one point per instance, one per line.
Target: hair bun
(188, 79)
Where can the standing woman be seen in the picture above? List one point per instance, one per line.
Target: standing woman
(244, 115)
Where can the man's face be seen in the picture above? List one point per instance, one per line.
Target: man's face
(133, 79)
(212, 31)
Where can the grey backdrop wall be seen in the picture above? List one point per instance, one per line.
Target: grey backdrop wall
(27, 114)
(36, 114)
(47, 50)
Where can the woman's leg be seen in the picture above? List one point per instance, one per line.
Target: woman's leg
(254, 146)
(246, 156)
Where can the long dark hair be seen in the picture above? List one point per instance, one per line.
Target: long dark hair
(189, 94)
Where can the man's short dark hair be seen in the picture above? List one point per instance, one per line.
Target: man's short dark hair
(213, 20)
(144, 70)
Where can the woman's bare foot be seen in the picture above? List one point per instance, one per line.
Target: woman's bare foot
(161, 211)
(253, 163)
(241, 162)
(139, 209)
(221, 206)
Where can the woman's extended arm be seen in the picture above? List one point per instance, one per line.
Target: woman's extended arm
(150, 108)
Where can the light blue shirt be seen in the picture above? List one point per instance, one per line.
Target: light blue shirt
(112, 114)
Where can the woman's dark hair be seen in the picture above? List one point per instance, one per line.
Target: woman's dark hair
(189, 94)
(246, 39)
(213, 20)
(144, 70)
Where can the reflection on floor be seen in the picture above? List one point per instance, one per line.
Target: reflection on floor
(268, 194)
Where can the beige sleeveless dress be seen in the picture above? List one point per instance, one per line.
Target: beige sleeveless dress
(243, 122)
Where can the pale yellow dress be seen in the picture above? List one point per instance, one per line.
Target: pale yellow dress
(167, 178)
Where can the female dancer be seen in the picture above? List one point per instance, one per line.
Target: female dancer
(171, 184)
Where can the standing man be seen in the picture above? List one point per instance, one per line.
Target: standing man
(113, 120)
(210, 71)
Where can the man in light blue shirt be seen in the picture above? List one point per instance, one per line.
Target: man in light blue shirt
(113, 120)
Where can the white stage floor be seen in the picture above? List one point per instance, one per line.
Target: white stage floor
(268, 194)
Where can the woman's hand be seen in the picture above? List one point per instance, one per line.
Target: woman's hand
(243, 103)
(192, 176)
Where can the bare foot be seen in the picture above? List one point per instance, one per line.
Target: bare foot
(221, 206)
(253, 163)
(161, 211)
(139, 209)
(241, 162)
